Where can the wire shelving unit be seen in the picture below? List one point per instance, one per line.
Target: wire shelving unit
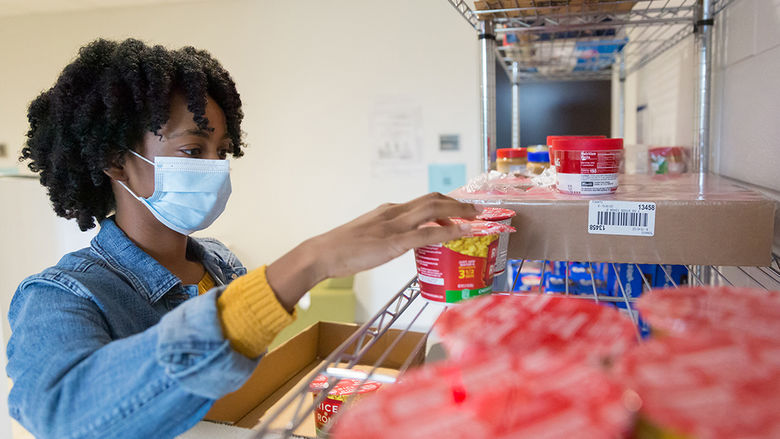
(551, 37)
(409, 301)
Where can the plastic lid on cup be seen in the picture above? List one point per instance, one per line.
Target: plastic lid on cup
(539, 156)
(495, 214)
(585, 144)
(511, 153)
(479, 227)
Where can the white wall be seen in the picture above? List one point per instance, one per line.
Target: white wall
(311, 74)
(746, 92)
(665, 87)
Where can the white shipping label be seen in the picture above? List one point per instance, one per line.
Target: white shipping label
(631, 218)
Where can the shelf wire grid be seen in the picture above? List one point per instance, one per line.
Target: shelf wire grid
(561, 39)
(355, 347)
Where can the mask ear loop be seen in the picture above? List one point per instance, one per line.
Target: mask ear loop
(125, 186)
(142, 157)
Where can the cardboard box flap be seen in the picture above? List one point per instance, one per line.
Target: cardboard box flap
(276, 368)
(289, 365)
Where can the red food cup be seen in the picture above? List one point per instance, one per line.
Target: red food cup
(461, 268)
(340, 392)
(587, 166)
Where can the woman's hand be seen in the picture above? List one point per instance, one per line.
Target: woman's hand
(366, 242)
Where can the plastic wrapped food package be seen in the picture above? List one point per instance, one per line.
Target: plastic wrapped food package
(501, 396)
(709, 386)
(690, 311)
(668, 159)
(497, 183)
(527, 322)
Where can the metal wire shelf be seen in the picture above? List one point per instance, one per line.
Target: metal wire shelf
(583, 39)
(408, 300)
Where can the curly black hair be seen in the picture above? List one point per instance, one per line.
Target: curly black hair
(102, 105)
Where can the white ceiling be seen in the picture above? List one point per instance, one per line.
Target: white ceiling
(25, 7)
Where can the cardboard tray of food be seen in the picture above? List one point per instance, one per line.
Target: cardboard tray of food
(725, 224)
(552, 7)
(285, 369)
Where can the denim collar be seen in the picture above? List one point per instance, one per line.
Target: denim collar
(143, 272)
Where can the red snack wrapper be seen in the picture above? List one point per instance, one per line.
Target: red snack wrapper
(503, 396)
(525, 323)
(707, 386)
(689, 311)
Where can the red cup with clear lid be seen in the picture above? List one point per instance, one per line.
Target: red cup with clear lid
(462, 268)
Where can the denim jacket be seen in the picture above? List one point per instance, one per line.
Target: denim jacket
(109, 343)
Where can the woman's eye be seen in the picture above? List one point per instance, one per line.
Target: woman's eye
(193, 152)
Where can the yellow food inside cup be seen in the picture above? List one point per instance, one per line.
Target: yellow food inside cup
(471, 245)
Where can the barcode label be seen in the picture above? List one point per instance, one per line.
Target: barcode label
(622, 219)
(629, 218)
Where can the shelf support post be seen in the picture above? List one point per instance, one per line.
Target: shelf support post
(515, 106)
(487, 47)
(622, 95)
(703, 31)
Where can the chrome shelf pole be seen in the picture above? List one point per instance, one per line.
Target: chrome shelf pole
(515, 106)
(487, 87)
(703, 32)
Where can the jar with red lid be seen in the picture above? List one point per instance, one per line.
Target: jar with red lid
(511, 160)
(587, 166)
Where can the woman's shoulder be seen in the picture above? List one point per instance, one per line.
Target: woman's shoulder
(73, 273)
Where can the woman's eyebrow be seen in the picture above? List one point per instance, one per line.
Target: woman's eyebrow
(206, 134)
(192, 132)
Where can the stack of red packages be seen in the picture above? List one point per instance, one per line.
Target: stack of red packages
(705, 387)
(696, 310)
(524, 323)
(504, 396)
(519, 367)
(713, 369)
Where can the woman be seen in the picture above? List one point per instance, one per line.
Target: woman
(137, 335)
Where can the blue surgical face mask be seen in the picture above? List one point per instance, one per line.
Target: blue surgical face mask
(189, 194)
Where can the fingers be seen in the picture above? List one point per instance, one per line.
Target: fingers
(436, 198)
(432, 235)
(437, 208)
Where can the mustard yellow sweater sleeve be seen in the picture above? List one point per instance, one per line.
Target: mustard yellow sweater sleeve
(250, 313)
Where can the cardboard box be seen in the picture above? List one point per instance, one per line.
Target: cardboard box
(727, 225)
(552, 7)
(291, 365)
